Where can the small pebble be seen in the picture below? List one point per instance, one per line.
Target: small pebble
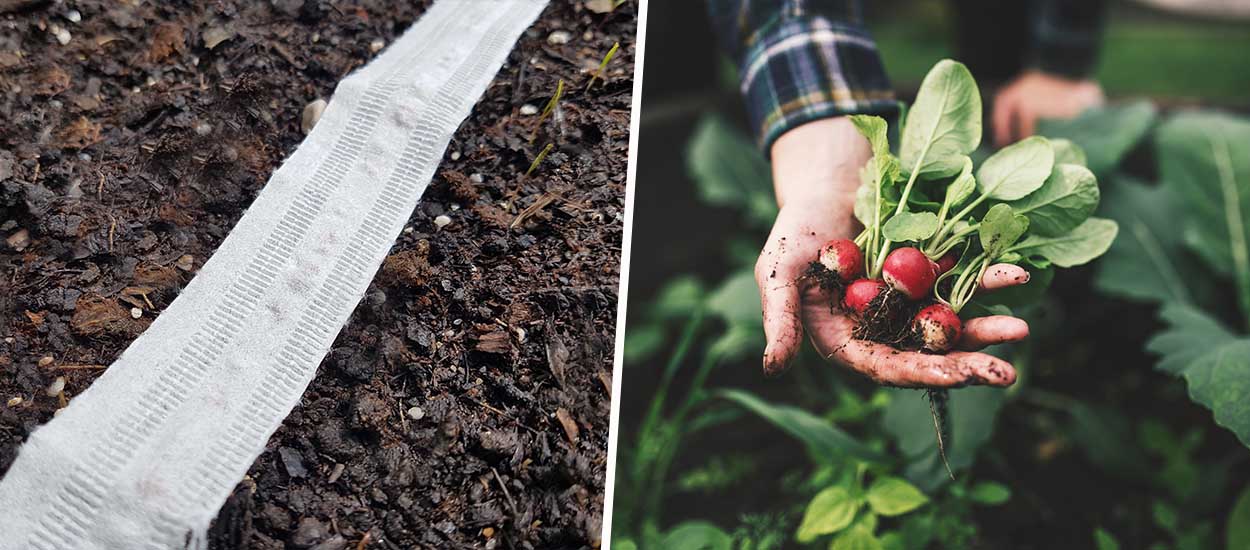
(475, 178)
(588, 36)
(56, 387)
(62, 36)
(10, 340)
(19, 240)
(336, 472)
(528, 109)
(312, 114)
(15, 401)
(408, 230)
(136, 313)
(377, 45)
(203, 129)
(416, 413)
(559, 37)
(73, 16)
(45, 360)
(215, 35)
(455, 155)
(441, 221)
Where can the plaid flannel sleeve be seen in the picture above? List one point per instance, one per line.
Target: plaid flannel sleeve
(1067, 35)
(801, 60)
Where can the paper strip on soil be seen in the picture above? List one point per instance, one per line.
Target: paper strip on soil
(146, 455)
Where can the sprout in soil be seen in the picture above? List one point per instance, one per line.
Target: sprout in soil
(598, 74)
(539, 159)
(552, 105)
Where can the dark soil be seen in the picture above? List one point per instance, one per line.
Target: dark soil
(887, 320)
(128, 153)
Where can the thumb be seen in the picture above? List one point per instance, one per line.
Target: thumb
(779, 299)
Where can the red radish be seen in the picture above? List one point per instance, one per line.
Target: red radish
(909, 271)
(860, 293)
(939, 327)
(946, 263)
(841, 256)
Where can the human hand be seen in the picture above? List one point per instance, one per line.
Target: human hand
(815, 173)
(1035, 95)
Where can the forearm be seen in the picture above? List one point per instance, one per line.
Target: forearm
(818, 164)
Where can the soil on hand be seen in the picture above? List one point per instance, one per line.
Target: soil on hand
(466, 403)
(888, 320)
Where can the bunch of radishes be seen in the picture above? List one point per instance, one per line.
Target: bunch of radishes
(932, 227)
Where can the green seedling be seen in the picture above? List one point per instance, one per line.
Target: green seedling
(539, 159)
(598, 74)
(548, 109)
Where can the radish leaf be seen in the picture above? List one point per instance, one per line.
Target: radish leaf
(1067, 198)
(1000, 229)
(1016, 170)
(910, 226)
(1067, 152)
(944, 124)
(963, 186)
(875, 129)
(1088, 241)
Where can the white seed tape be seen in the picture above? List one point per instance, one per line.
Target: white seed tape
(146, 456)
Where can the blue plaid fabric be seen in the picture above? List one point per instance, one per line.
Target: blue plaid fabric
(802, 60)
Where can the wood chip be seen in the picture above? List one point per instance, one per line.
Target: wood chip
(494, 342)
(557, 353)
(570, 426)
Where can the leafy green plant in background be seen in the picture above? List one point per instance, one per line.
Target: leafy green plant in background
(1184, 248)
(1185, 245)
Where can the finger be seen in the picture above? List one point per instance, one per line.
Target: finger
(1026, 122)
(1003, 275)
(995, 329)
(908, 369)
(1002, 118)
(779, 299)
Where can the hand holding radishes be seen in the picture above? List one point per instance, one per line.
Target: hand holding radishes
(933, 227)
(815, 170)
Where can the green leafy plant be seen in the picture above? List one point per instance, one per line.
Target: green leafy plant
(1187, 243)
(933, 239)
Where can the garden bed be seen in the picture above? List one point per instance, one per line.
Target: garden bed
(467, 401)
